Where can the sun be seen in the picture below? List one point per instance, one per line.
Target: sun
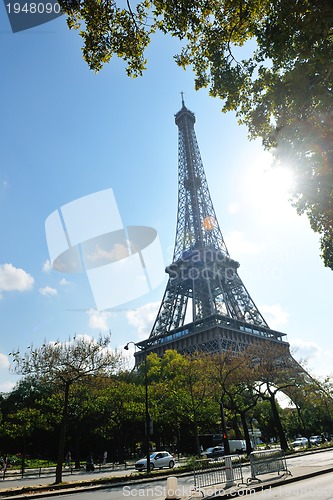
(280, 180)
(268, 185)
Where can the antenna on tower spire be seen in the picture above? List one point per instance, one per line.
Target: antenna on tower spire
(183, 102)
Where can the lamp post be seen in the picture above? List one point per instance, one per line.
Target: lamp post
(148, 420)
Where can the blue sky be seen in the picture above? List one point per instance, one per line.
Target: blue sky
(67, 133)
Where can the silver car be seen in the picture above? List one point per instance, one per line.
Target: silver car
(213, 452)
(158, 459)
(316, 440)
(300, 442)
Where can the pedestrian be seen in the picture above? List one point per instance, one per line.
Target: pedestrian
(4, 465)
(68, 458)
(90, 467)
(105, 457)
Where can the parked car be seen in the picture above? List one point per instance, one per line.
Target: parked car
(213, 452)
(300, 442)
(315, 439)
(158, 459)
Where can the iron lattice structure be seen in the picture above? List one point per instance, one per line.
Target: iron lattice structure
(205, 306)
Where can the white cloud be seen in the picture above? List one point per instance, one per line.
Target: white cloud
(317, 359)
(98, 320)
(128, 356)
(275, 315)
(305, 350)
(64, 282)
(143, 318)
(7, 386)
(47, 266)
(14, 279)
(237, 244)
(47, 290)
(307, 346)
(4, 362)
(100, 255)
(74, 338)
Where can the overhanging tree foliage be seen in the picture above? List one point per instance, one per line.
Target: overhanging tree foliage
(270, 61)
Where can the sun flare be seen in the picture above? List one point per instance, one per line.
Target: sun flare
(269, 185)
(279, 180)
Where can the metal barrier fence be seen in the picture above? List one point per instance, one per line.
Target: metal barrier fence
(225, 470)
(267, 462)
(12, 473)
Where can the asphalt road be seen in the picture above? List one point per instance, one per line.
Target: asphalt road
(152, 490)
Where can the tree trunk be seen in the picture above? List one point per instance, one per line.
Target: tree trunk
(23, 457)
(276, 416)
(238, 434)
(62, 438)
(196, 435)
(249, 446)
(224, 430)
(77, 446)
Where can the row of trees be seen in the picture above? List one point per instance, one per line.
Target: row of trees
(78, 395)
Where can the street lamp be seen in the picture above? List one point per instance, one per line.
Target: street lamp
(148, 420)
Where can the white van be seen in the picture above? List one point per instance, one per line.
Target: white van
(237, 445)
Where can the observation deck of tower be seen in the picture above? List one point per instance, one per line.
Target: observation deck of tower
(206, 306)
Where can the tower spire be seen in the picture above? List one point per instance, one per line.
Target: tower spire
(183, 102)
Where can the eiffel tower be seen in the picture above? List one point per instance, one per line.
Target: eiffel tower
(206, 306)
